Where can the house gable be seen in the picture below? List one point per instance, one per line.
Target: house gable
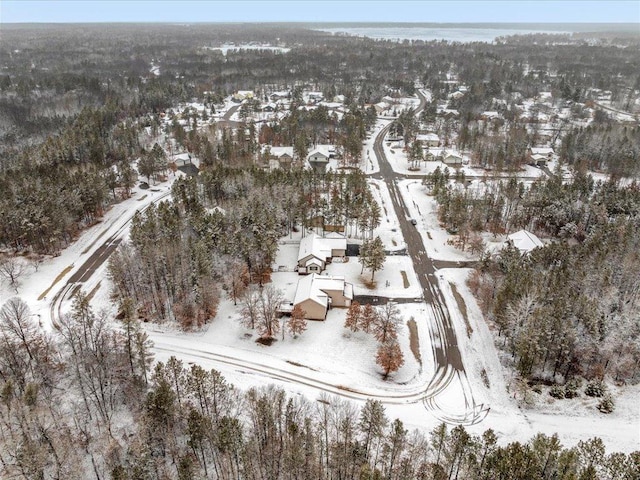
(315, 294)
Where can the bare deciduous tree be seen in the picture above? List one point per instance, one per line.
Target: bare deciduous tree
(352, 322)
(385, 324)
(297, 322)
(12, 269)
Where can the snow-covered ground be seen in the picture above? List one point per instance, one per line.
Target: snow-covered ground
(370, 161)
(327, 356)
(389, 229)
(512, 416)
(326, 352)
(38, 288)
(397, 157)
(423, 208)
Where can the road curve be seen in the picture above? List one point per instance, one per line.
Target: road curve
(446, 354)
(92, 264)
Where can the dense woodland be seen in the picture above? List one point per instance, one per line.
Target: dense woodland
(571, 308)
(74, 99)
(84, 402)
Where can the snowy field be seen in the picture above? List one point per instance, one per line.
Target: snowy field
(326, 353)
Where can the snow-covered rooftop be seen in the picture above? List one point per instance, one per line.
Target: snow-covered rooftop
(320, 247)
(313, 287)
(525, 241)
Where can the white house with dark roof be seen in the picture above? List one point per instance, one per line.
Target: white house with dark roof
(315, 252)
(316, 294)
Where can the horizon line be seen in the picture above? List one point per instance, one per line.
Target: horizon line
(316, 22)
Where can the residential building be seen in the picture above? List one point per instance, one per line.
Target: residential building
(315, 252)
(316, 294)
(524, 241)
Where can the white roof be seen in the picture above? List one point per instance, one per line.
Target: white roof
(525, 241)
(319, 149)
(427, 137)
(320, 247)
(541, 151)
(491, 114)
(313, 261)
(311, 288)
(331, 105)
(451, 153)
(279, 151)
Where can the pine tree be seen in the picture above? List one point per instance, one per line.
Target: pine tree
(389, 357)
(364, 254)
(375, 256)
(372, 423)
(297, 323)
(354, 313)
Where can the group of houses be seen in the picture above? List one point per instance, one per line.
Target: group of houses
(318, 159)
(316, 293)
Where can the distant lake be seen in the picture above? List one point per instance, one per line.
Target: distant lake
(451, 34)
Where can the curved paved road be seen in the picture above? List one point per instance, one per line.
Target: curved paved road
(448, 361)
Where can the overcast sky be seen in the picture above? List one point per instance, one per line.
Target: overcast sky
(602, 11)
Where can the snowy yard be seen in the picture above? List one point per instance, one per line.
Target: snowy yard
(423, 208)
(326, 351)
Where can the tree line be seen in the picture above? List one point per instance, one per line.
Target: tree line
(565, 310)
(85, 401)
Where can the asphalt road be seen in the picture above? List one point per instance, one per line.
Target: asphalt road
(447, 357)
(92, 264)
